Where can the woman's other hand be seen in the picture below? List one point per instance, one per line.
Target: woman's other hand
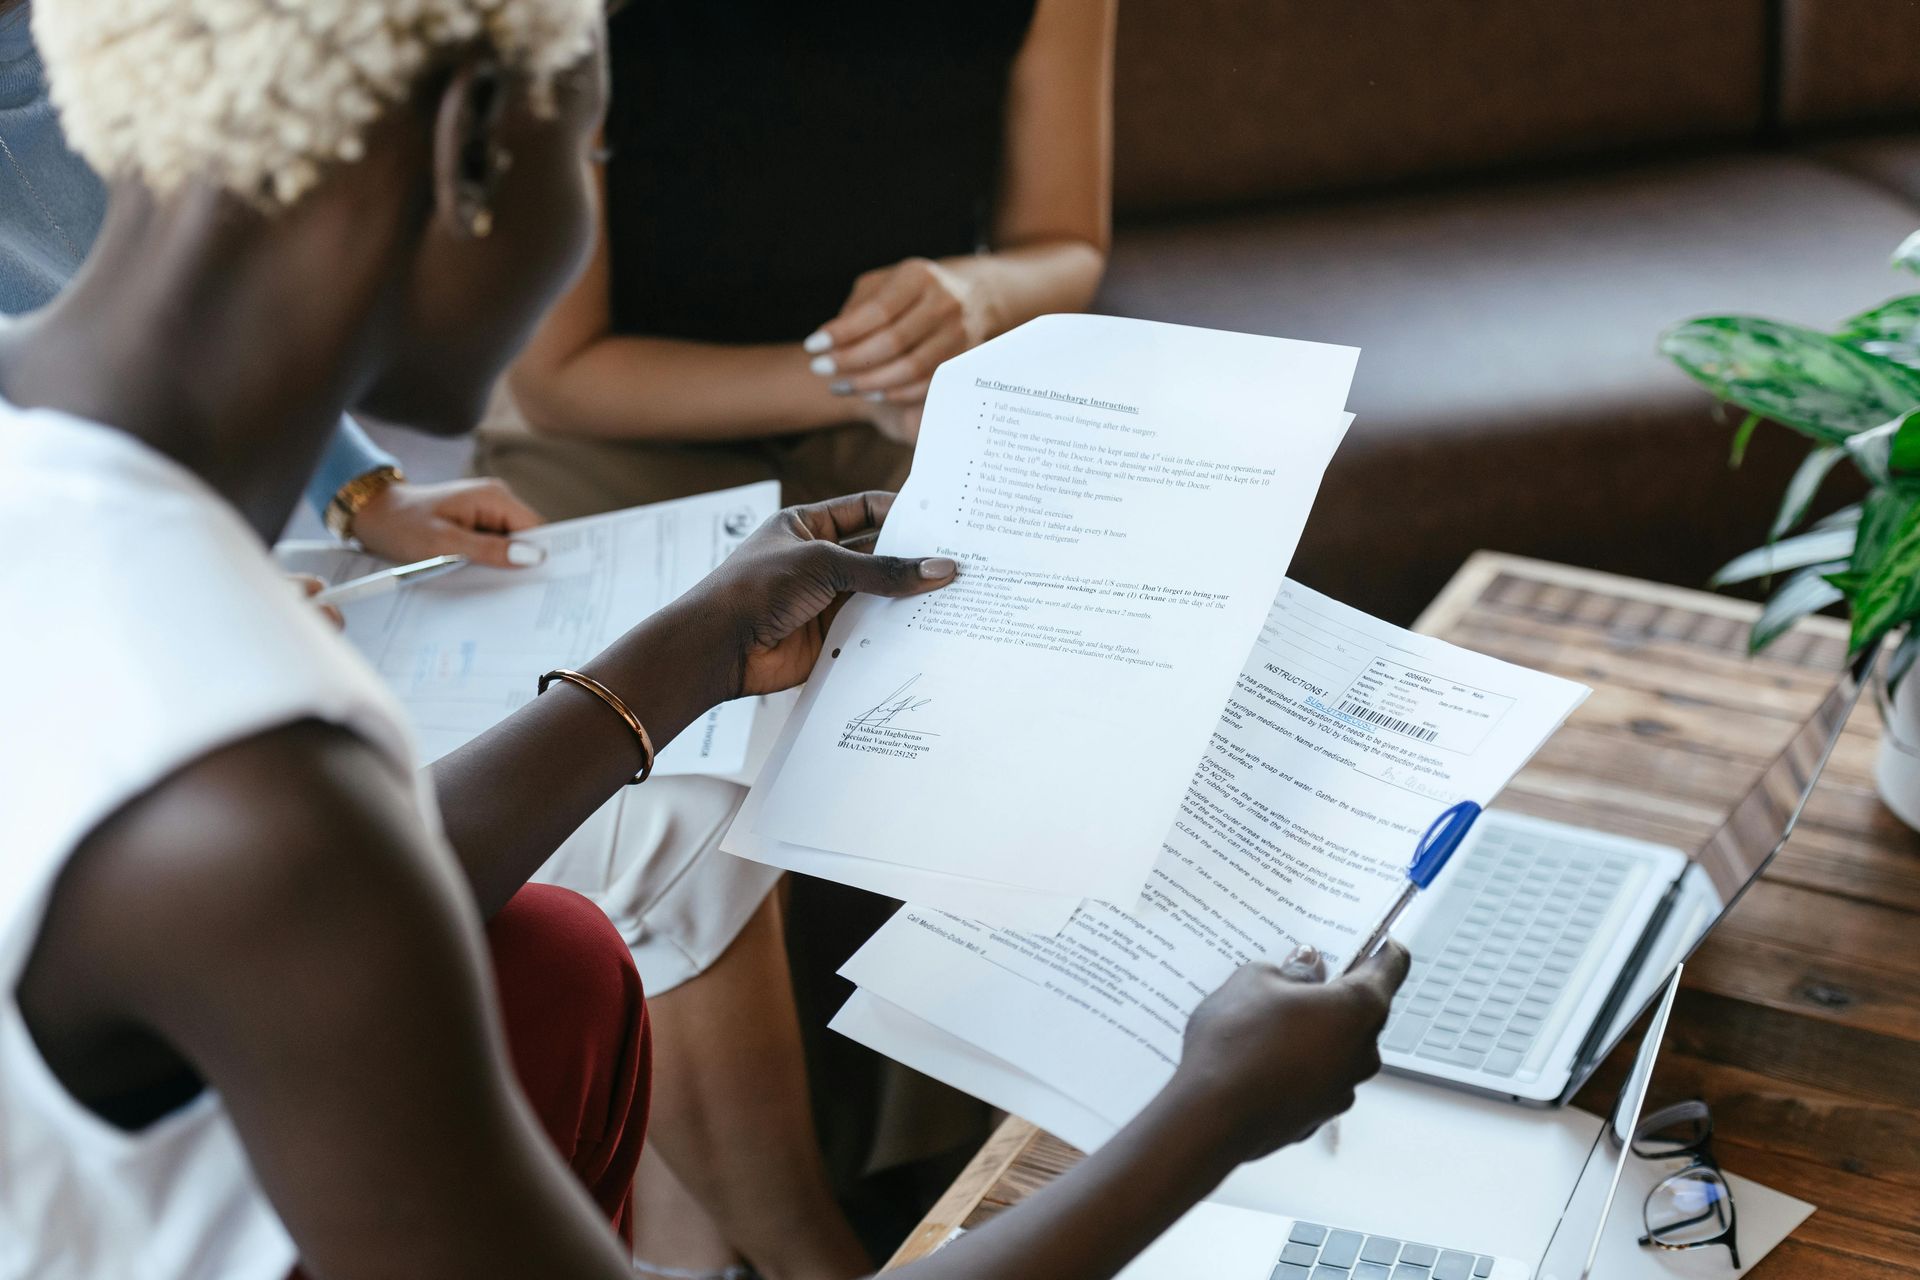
(896, 327)
(777, 594)
(471, 518)
(1278, 1051)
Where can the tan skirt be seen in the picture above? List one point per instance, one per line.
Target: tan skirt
(564, 478)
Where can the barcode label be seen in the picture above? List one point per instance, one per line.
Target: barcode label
(1361, 711)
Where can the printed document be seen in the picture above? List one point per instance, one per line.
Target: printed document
(465, 649)
(1123, 498)
(1341, 742)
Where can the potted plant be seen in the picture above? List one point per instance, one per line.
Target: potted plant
(1854, 394)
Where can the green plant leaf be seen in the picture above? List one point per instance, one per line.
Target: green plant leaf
(1847, 582)
(1742, 437)
(1890, 331)
(1798, 377)
(1816, 546)
(1907, 256)
(1902, 660)
(1891, 592)
(1881, 516)
(1889, 451)
(1802, 488)
(1807, 591)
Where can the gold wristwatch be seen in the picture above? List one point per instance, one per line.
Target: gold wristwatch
(355, 494)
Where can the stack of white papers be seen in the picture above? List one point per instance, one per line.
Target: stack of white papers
(1343, 738)
(1120, 756)
(464, 650)
(1123, 498)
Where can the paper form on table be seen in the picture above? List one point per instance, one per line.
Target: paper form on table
(463, 651)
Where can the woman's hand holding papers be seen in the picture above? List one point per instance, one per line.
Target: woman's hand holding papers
(1269, 1057)
(1278, 1051)
(775, 597)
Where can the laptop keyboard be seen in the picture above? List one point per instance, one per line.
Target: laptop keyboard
(1495, 957)
(1315, 1252)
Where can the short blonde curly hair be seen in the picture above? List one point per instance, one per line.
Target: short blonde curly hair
(258, 95)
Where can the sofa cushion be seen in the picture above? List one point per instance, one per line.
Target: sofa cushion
(1509, 393)
(1891, 162)
(1222, 102)
(1844, 62)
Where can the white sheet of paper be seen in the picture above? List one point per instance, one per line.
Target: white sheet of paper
(887, 1028)
(1013, 908)
(1008, 905)
(463, 650)
(1123, 497)
(1380, 1179)
(1342, 740)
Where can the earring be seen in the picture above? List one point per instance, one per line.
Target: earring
(480, 223)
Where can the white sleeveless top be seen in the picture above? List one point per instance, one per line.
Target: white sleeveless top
(142, 625)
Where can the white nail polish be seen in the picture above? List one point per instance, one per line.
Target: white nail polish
(817, 341)
(875, 396)
(824, 366)
(525, 554)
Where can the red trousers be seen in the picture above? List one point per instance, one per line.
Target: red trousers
(576, 1022)
(577, 1028)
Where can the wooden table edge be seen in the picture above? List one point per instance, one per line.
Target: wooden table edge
(959, 1200)
(1469, 585)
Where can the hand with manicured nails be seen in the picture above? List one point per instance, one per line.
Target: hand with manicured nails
(472, 518)
(776, 595)
(895, 328)
(1277, 1051)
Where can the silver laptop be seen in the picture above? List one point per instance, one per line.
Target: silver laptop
(1225, 1243)
(1542, 942)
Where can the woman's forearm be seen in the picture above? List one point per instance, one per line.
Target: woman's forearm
(1034, 279)
(640, 388)
(1091, 1222)
(511, 796)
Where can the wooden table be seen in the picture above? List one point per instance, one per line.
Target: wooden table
(1800, 1021)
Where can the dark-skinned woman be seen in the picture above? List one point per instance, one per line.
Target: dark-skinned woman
(273, 1000)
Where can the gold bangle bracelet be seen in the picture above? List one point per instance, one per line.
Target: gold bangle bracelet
(612, 699)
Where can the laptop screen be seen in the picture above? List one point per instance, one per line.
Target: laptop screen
(1760, 823)
(1724, 866)
(1576, 1241)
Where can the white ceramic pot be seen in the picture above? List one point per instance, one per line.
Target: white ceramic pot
(1897, 772)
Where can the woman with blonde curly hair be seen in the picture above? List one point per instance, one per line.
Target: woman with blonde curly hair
(269, 999)
(51, 204)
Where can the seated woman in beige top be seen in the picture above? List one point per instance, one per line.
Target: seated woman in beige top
(807, 208)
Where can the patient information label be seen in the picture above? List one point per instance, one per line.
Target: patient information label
(1431, 709)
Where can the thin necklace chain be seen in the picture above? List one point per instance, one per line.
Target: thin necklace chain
(32, 191)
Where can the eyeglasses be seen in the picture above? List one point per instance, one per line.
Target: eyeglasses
(1693, 1208)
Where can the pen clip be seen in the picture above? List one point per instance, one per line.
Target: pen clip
(1442, 838)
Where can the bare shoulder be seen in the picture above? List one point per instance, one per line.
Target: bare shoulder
(272, 851)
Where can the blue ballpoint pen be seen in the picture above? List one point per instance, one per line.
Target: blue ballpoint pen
(1431, 854)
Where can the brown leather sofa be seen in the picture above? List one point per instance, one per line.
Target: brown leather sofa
(1503, 202)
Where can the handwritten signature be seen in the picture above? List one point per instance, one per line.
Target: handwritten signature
(889, 709)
